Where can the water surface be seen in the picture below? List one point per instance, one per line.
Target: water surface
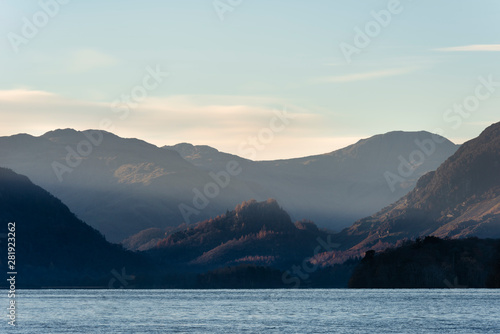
(255, 311)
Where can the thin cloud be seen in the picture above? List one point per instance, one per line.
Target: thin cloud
(84, 60)
(219, 121)
(474, 47)
(23, 94)
(365, 75)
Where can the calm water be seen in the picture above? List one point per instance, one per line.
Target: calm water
(255, 311)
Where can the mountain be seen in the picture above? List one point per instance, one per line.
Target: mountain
(54, 249)
(206, 157)
(122, 186)
(119, 186)
(259, 233)
(340, 187)
(460, 199)
(52, 246)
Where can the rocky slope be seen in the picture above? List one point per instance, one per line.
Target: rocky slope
(460, 199)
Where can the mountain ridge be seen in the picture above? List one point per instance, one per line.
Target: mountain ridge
(125, 185)
(460, 199)
(350, 181)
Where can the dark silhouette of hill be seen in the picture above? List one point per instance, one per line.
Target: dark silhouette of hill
(241, 277)
(53, 247)
(432, 263)
(147, 238)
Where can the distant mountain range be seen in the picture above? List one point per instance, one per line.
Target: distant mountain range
(119, 186)
(123, 186)
(337, 188)
(460, 199)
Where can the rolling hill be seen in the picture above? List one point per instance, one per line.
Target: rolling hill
(52, 247)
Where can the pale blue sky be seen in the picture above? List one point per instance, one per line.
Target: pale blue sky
(227, 77)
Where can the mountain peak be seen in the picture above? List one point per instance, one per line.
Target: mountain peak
(69, 132)
(401, 141)
(403, 136)
(249, 217)
(60, 133)
(255, 232)
(493, 128)
(460, 199)
(252, 216)
(189, 150)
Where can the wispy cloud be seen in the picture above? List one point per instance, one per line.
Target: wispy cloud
(21, 94)
(220, 121)
(365, 75)
(84, 60)
(473, 47)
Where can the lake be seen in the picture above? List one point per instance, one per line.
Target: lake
(255, 311)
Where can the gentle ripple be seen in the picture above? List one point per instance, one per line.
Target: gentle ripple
(255, 311)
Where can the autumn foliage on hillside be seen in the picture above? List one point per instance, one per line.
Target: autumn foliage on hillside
(254, 232)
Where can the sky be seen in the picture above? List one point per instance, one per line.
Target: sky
(290, 78)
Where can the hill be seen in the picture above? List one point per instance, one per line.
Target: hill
(460, 199)
(52, 246)
(119, 186)
(258, 233)
(122, 186)
(432, 263)
(340, 187)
